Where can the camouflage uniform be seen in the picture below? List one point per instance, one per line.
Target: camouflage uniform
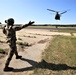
(10, 32)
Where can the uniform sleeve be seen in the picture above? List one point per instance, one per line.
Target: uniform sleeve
(4, 30)
(17, 28)
(21, 27)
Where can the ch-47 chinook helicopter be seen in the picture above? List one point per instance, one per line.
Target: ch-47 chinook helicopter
(58, 15)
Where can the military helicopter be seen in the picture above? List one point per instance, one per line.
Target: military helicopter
(58, 15)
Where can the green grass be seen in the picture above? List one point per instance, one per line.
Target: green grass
(71, 31)
(2, 51)
(23, 43)
(19, 39)
(59, 58)
(67, 30)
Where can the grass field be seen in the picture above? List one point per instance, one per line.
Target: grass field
(67, 30)
(59, 58)
(71, 31)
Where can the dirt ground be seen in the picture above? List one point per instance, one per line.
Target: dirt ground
(38, 40)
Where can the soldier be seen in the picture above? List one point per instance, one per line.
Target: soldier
(10, 31)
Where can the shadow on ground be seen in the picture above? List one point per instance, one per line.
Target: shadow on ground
(43, 65)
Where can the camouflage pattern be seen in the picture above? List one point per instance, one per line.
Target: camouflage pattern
(10, 31)
(11, 40)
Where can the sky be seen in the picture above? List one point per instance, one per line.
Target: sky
(36, 10)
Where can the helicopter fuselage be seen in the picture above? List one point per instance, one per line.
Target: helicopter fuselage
(57, 16)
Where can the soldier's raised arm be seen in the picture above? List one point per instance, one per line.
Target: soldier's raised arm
(23, 26)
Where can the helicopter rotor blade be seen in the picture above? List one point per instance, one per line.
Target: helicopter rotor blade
(51, 10)
(63, 12)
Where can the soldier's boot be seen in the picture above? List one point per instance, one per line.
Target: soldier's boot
(16, 53)
(8, 69)
(18, 57)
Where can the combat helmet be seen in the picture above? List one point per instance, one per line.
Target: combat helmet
(9, 21)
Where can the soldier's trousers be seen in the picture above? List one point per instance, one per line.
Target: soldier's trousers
(12, 51)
